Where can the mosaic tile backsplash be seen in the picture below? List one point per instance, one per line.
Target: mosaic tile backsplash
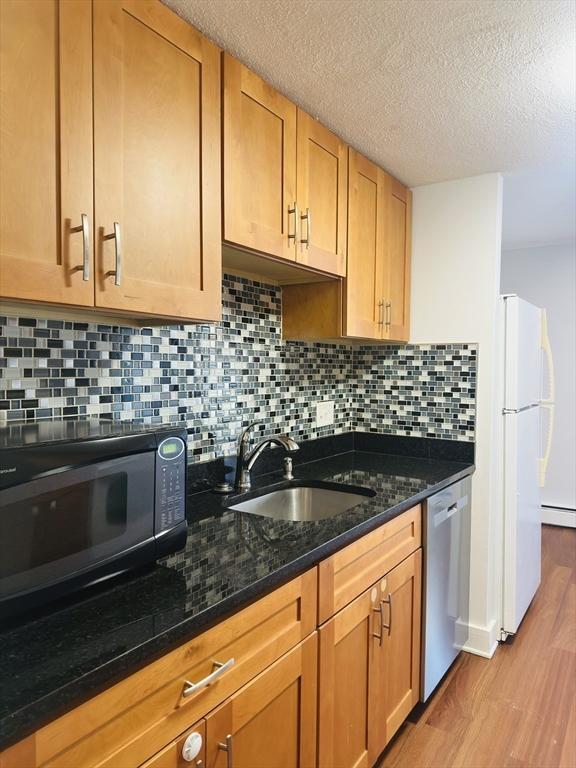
(217, 378)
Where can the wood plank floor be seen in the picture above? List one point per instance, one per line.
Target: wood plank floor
(517, 710)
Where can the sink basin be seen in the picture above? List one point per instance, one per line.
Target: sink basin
(301, 503)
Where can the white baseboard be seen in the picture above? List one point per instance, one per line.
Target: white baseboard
(482, 641)
(555, 516)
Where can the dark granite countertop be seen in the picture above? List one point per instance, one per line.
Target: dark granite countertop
(52, 661)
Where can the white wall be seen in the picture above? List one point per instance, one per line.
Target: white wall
(546, 276)
(457, 228)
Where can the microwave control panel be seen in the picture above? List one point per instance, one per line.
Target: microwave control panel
(170, 483)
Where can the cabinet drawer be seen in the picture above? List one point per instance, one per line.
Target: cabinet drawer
(349, 572)
(137, 717)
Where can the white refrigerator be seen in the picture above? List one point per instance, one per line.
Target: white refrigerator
(526, 346)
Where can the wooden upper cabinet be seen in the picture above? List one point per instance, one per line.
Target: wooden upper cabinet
(397, 273)
(373, 302)
(46, 151)
(285, 176)
(157, 162)
(271, 722)
(364, 288)
(321, 191)
(259, 164)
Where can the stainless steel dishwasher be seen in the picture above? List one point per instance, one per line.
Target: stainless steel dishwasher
(446, 600)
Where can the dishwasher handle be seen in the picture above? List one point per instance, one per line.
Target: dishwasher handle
(447, 512)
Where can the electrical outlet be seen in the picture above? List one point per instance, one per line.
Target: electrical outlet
(325, 413)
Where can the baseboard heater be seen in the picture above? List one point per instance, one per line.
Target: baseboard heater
(562, 516)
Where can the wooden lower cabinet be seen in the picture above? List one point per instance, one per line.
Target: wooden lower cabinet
(398, 672)
(348, 652)
(346, 574)
(369, 668)
(291, 696)
(271, 722)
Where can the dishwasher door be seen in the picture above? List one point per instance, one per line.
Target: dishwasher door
(446, 581)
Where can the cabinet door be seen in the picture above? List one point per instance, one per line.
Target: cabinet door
(349, 647)
(398, 258)
(46, 151)
(366, 248)
(157, 162)
(259, 164)
(322, 193)
(188, 751)
(398, 666)
(271, 722)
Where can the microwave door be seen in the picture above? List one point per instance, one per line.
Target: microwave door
(54, 527)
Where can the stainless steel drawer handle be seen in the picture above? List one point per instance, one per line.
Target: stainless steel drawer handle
(190, 688)
(227, 747)
(293, 210)
(388, 601)
(307, 217)
(85, 229)
(115, 235)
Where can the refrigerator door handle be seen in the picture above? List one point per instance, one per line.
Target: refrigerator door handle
(547, 402)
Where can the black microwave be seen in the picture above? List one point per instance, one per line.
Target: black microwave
(82, 501)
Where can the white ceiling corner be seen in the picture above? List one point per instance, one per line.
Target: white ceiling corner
(539, 207)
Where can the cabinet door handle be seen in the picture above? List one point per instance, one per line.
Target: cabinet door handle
(115, 235)
(388, 601)
(380, 610)
(388, 313)
(85, 229)
(227, 747)
(381, 312)
(308, 218)
(190, 688)
(293, 210)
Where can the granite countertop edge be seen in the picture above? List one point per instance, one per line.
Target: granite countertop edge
(25, 721)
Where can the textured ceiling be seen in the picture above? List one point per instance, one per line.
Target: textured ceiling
(430, 89)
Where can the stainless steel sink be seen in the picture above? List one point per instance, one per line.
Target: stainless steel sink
(305, 502)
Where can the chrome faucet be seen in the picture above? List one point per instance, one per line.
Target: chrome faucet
(246, 459)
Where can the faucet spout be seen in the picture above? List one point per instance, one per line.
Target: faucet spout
(284, 441)
(246, 459)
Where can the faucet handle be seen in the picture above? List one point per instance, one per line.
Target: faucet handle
(288, 469)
